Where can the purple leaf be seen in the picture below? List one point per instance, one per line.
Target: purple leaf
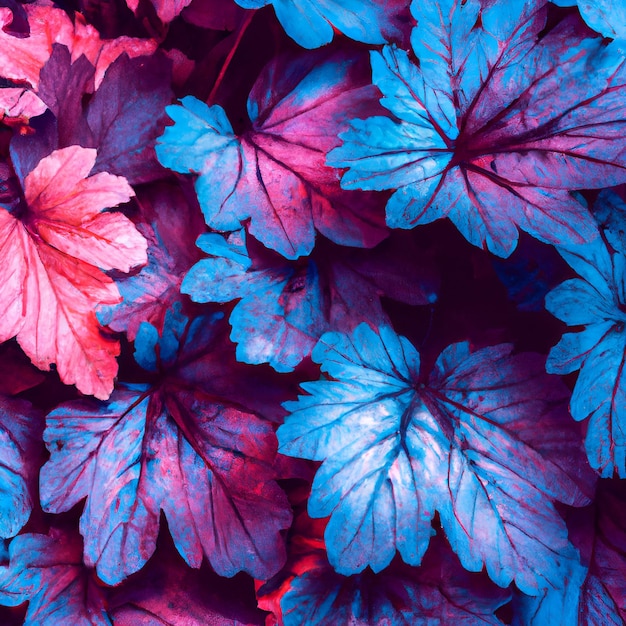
(119, 119)
(205, 462)
(313, 23)
(214, 14)
(464, 442)
(167, 593)
(20, 427)
(274, 173)
(494, 126)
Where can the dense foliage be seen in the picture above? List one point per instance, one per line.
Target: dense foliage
(313, 312)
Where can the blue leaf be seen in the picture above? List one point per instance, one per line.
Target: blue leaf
(466, 443)
(279, 317)
(171, 227)
(311, 23)
(610, 213)
(597, 300)
(594, 594)
(274, 174)
(399, 595)
(607, 17)
(48, 571)
(284, 307)
(474, 138)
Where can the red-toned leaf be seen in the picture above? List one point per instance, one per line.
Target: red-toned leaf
(53, 252)
(168, 593)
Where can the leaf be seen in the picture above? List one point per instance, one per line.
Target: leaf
(530, 273)
(313, 24)
(608, 17)
(21, 59)
(48, 571)
(18, 105)
(167, 10)
(204, 461)
(53, 251)
(597, 301)
(274, 173)
(596, 595)
(214, 14)
(494, 128)
(170, 227)
(284, 308)
(20, 426)
(610, 213)
(308, 591)
(119, 119)
(166, 592)
(396, 448)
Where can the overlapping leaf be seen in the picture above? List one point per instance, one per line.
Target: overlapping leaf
(22, 59)
(167, 10)
(399, 595)
(168, 593)
(597, 301)
(119, 119)
(313, 23)
(285, 307)
(47, 570)
(20, 426)
(494, 127)
(596, 592)
(607, 17)
(308, 591)
(463, 441)
(274, 173)
(171, 227)
(54, 245)
(204, 461)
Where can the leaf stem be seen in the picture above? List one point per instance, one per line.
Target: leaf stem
(240, 33)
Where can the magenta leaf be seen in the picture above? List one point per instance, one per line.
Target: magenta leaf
(465, 442)
(274, 173)
(494, 128)
(205, 462)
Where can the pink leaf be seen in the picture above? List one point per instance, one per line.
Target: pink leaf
(51, 275)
